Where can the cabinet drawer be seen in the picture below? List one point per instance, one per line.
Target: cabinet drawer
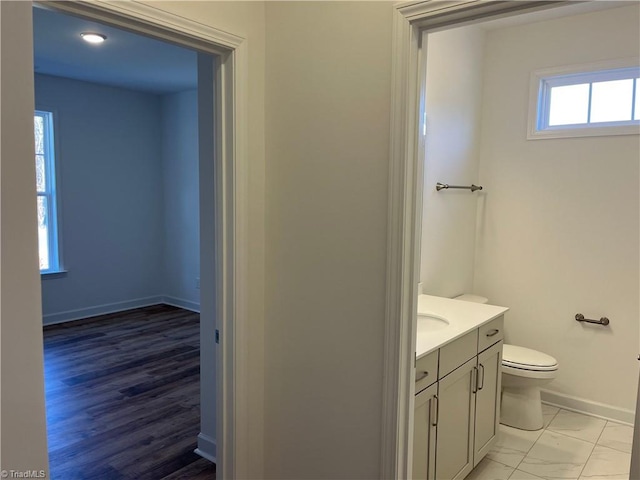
(426, 371)
(491, 333)
(458, 352)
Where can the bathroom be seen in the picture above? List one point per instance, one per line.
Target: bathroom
(555, 229)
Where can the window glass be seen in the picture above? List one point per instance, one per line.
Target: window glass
(43, 232)
(636, 110)
(45, 187)
(41, 174)
(38, 123)
(569, 105)
(611, 101)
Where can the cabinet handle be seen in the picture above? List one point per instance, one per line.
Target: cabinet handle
(424, 374)
(436, 411)
(474, 380)
(482, 383)
(492, 332)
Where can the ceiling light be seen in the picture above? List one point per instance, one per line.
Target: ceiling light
(93, 37)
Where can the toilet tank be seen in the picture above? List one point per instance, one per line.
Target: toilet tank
(468, 297)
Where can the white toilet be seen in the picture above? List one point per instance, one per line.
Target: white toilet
(524, 371)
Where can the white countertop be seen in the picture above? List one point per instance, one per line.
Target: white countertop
(462, 316)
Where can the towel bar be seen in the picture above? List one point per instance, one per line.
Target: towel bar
(602, 321)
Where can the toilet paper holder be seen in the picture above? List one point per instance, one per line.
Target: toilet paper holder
(602, 321)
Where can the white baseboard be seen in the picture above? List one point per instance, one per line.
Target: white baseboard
(179, 302)
(595, 409)
(206, 447)
(81, 313)
(69, 315)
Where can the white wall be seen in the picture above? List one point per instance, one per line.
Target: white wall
(110, 193)
(23, 442)
(453, 107)
(328, 98)
(559, 232)
(181, 250)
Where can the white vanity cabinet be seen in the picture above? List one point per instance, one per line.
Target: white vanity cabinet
(487, 400)
(455, 423)
(456, 418)
(424, 433)
(424, 417)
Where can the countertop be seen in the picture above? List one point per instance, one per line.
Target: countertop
(462, 316)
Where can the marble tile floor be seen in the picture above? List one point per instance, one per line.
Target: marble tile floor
(571, 446)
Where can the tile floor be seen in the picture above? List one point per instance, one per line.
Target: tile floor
(571, 446)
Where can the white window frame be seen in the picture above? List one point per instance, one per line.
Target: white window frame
(50, 192)
(542, 81)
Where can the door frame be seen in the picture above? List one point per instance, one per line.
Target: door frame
(229, 284)
(410, 20)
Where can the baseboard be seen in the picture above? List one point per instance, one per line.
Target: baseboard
(595, 409)
(179, 302)
(206, 447)
(81, 313)
(69, 315)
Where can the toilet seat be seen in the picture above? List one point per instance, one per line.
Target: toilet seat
(521, 358)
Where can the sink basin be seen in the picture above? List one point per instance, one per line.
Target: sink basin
(430, 321)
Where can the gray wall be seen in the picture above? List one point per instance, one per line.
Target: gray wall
(128, 191)
(110, 193)
(181, 200)
(327, 130)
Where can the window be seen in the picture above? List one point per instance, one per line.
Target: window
(585, 101)
(46, 190)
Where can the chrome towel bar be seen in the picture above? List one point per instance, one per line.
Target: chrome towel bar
(446, 186)
(602, 321)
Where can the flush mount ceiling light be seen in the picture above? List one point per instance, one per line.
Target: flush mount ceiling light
(93, 37)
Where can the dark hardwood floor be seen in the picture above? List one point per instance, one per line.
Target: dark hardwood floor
(123, 396)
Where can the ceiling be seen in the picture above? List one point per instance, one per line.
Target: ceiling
(124, 60)
(571, 8)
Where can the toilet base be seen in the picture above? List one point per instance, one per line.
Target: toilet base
(521, 408)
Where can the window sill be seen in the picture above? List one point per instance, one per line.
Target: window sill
(583, 132)
(53, 274)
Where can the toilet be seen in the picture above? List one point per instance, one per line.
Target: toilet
(524, 371)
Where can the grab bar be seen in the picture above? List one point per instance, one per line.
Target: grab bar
(446, 186)
(602, 321)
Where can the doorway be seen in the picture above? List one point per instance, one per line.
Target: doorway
(406, 218)
(227, 170)
(123, 115)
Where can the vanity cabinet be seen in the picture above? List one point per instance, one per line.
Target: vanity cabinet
(487, 419)
(424, 433)
(456, 418)
(455, 423)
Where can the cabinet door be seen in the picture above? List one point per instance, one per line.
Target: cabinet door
(488, 400)
(424, 434)
(456, 410)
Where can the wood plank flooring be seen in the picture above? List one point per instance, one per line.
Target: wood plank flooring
(123, 396)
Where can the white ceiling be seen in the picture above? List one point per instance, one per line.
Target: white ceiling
(124, 60)
(571, 8)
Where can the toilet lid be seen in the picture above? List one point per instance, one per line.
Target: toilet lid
(527, 359)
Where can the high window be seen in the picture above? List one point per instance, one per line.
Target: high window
(46, 190)
(583, 101)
